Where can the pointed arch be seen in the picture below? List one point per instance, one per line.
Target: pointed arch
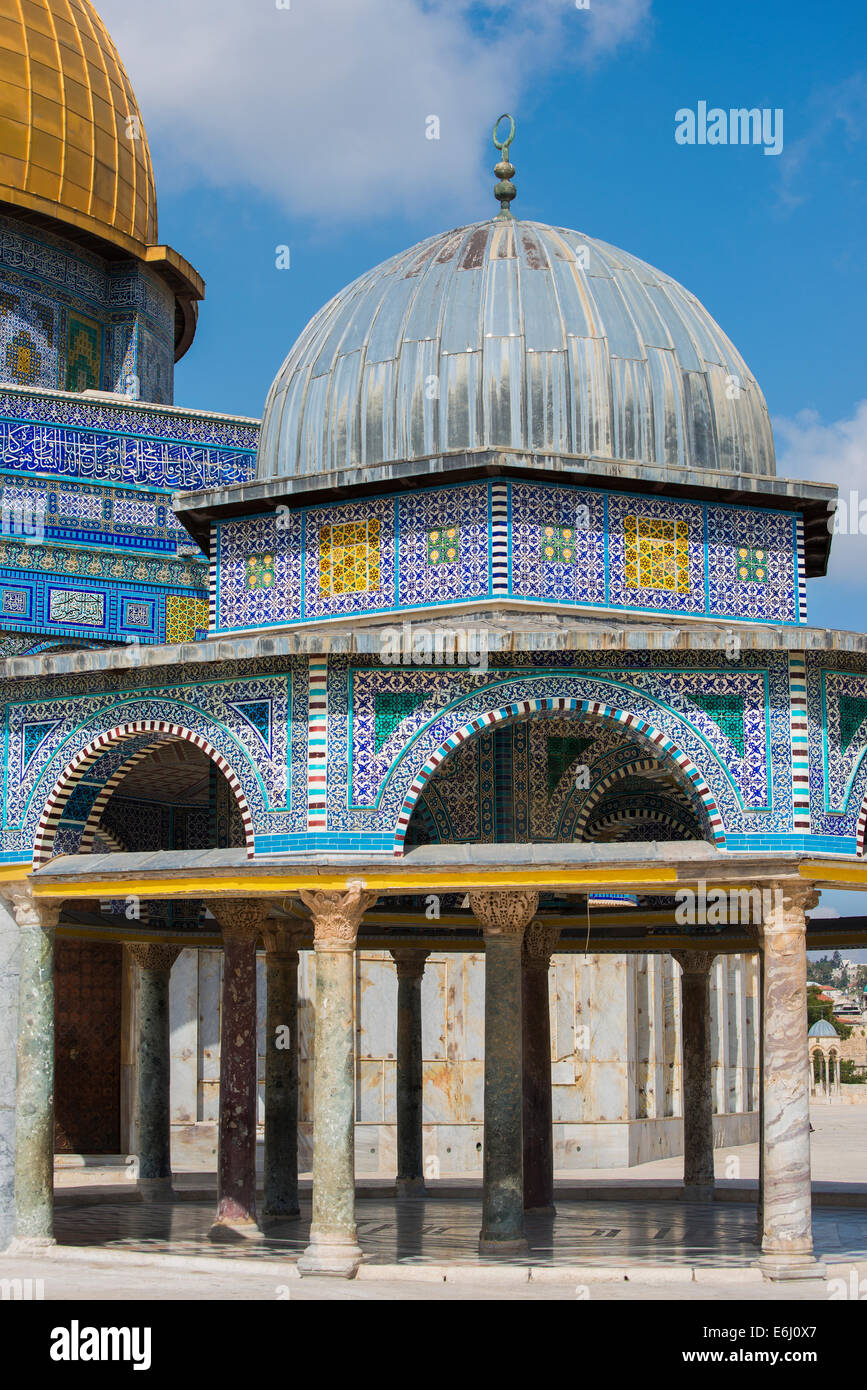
(523, 709)
(75, 770)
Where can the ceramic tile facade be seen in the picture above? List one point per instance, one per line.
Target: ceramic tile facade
(103, 442)
(73, 321)
(562, 545)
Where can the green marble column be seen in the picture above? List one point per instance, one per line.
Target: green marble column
(540, 941)
(281, 1073)
(333, 1248)
(698, 1169)
(410, 1156)
(153, 1084)
(34, 1099)
(504, 917)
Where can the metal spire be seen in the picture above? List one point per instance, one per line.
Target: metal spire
(505, 189)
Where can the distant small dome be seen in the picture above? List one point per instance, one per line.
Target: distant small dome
(510, 335)
(822, 1029)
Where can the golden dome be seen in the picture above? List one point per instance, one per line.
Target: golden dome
(73, 147)
(72, 140)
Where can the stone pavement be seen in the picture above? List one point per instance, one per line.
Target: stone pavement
(617, 1233)
(124, 1279)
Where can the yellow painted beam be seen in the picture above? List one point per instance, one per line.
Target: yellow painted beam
(256, 885)
(14, 873)
(814, 869)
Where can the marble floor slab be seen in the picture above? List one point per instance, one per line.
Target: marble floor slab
(446, 1229)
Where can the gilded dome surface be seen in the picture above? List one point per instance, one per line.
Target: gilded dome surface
(512, 335)
(72, 141)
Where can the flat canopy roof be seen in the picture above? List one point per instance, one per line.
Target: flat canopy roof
(661, 867)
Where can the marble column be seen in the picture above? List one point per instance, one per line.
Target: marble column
(503, 917)
(540, 942)
(9, 935)
(34, 1095)
(153, 1125)
(333, 1248)
(242, 921)
(760, 1010)
(281, 1071)
(697, 1085)
(787, 1237)
(410, 1157)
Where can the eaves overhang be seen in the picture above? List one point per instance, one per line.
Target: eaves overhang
(814, 501)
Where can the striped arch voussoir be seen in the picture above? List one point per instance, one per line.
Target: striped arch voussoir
(86, 757)
(522, 709)
(861, 829)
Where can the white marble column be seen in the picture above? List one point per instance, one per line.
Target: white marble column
(34, 1095)
(333, 1247)
(787, 1238)
(504, 917)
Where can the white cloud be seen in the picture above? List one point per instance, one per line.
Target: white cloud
(834, 117)
(834, 453)
(322, 106)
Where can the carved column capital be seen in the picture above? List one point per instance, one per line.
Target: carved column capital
(28, 910)
(504, 913)
(695, 962)
(540, 943)
(410, 962)
(337, 917)
(152, 955)
(786, 906)
(241, 918)
(282, 939)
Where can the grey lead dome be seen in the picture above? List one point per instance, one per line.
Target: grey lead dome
(510, 335)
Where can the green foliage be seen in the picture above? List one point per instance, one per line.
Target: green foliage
(821, 970)
(823, 1008)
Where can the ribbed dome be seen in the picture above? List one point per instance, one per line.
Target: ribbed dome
(822, 1029)
(514, 335)
(68, 116)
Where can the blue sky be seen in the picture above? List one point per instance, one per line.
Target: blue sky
(305, 126)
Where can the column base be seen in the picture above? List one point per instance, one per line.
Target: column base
(332, 1257)
(489, 1246)
(155, 1189)
(29, 1245)
(230, 1229)
(410, 1187)
(286, 1213)
(698, 1192)
(782, 1267)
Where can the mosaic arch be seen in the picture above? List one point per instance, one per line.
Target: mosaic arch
(628, 822)
(635, 767)
(690, 777)
(92, 825)
(87, 756)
